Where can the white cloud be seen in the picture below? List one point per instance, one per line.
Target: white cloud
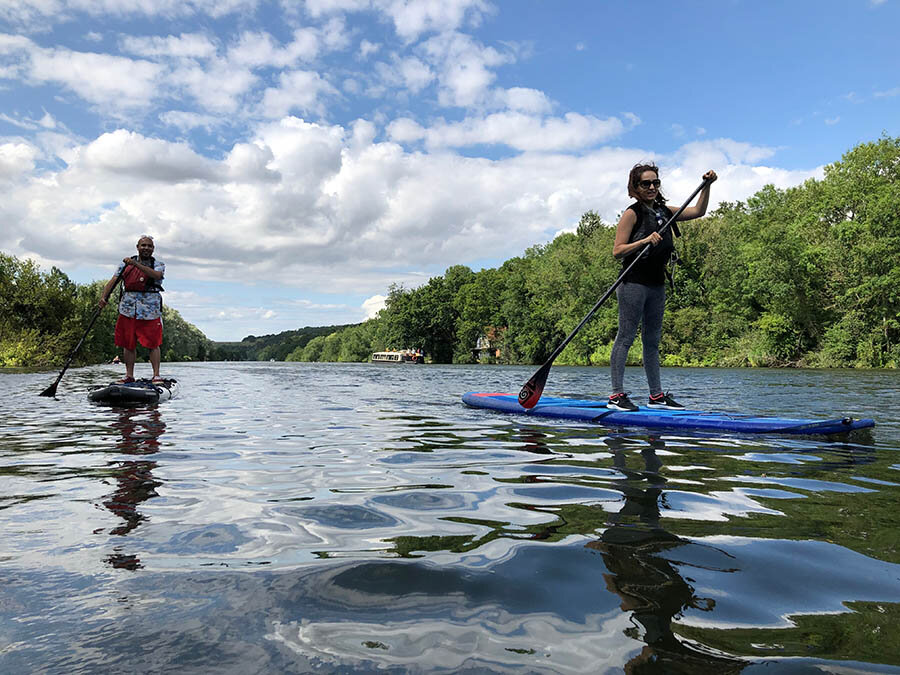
(34, 14)
(9, 44)
(24, 12)
(405, 130)
(351, 86)
(464, 68)
(16, 160)
(21, 123)
(186, 45)
(249, 163)
(309, 304)
(411, 19)
(119, 85)
(367, 48)
(218, 87)
(47, 121)
(107, 81)
(261, 49)
(128, 154)
(186, 120)
(186, 66)
(371, 306)
(887, 93)
(334, 34)
(408, 74)
(298, 90)
(524, 100)
(516, 130)
(415, 74)
(831, 121)
(725, 151)
(317, 8)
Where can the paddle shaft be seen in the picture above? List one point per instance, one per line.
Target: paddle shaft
(51, 390)
(545, 369)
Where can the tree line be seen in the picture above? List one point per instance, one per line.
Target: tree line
(807, 276)
(276, 346)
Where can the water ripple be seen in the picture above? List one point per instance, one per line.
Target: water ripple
(290, 517)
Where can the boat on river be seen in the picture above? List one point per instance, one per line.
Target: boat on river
(399, 356)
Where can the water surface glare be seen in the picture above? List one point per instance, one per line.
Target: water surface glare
(283, 517)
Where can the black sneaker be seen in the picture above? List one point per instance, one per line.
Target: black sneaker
(664, 401)
(621, 402)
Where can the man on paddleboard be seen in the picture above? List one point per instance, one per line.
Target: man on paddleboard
(140, 309)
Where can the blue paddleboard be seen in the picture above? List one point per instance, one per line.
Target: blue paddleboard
(657, 418)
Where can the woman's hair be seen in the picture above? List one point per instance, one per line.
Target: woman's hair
(634, 177)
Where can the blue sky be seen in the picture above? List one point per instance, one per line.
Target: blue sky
(293, 159)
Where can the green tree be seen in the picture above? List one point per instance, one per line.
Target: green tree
(859, 199)
(356, 343)
(477, 311)
(311, 352)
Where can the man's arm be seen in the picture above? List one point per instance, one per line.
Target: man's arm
(107, 290)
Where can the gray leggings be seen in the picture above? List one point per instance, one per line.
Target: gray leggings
(644, 305)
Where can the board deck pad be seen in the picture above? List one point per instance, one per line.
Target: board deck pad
(659, 418)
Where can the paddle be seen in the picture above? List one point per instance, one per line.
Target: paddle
(531, 392)
(51, 390)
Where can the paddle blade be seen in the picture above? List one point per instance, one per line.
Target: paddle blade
(50, 391)
(531, 392)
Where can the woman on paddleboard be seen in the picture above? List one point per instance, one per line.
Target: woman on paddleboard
(642, 294)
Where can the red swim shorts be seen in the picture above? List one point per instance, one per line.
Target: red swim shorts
(129, 330)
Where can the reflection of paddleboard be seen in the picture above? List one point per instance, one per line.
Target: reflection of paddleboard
(660, 418)
(139, 391)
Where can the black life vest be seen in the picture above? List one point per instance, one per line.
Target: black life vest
(134, 279)
(650, 270)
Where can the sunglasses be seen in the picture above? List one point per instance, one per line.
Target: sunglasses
(647, 183)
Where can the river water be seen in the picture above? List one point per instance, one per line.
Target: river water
(284, 517)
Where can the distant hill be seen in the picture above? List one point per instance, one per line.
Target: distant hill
(266, 347)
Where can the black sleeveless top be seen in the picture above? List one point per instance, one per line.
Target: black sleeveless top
(651, 269)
